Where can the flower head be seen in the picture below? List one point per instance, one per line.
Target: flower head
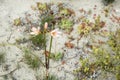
(35, 31)
(55, 33)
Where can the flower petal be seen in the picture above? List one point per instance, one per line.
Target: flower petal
(34, 29)
(32, 33)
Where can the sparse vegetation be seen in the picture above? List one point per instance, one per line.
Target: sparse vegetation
(104, 59)
(31, 60)
(86, 26)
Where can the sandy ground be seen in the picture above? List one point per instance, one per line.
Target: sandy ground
(12, 9)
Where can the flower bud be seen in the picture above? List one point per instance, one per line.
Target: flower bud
(45, 25)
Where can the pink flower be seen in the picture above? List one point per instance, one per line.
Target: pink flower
(55, 33)
(35, 31)
(45, 25)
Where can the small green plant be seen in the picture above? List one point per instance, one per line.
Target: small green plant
(41, 6)
(114, 41)
(104, 59)
(31, 60)
(84, 28)
(98, 24)
(17, 22)
(66, 24)
(64, 11)
(2, 57)
(86, 69)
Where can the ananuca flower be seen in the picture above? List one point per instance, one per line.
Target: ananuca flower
(55, 33)
(35, 31)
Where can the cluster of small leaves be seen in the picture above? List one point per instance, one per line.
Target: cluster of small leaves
(86, 70)
(31, 60)
(104, 59)
(66, 24)
(86, 26)
(114, 43)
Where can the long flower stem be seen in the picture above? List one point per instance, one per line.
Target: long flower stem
(46, 58)
(50, 50)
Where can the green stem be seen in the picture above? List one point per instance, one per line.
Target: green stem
(46, 58)
(50, 50)
(45, 47)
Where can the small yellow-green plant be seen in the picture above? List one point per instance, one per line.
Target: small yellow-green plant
(114, 41)
(86, 69)
(41, 6)
(98, 24)
(17, 22)
(64, 11)
(66, 24)
(84, 28)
